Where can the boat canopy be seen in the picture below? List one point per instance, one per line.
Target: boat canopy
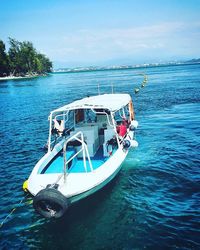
(112, 102)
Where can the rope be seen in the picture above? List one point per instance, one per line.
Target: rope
(12, 211)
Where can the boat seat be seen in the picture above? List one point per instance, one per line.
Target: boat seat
(91, 138)
(108, 134)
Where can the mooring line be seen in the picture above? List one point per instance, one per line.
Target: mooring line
(12, 211)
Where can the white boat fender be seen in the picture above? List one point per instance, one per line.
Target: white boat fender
(134, 143)
(134, 124)
(130, 143)
(49, 203)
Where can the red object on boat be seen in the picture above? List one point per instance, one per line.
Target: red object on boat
(122, 130)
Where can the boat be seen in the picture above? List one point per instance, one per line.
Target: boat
(88, 141)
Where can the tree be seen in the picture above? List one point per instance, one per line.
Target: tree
(22, 56)
(44, 64)
(14, 56)
(28, 55)
(4, 64)
(23, 59)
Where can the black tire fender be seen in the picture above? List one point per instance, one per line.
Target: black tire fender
(50, 203)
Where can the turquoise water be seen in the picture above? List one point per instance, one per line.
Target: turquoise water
(154, 201)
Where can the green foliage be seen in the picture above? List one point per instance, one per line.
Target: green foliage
(22, 59)
(43, 63)
(4, 63)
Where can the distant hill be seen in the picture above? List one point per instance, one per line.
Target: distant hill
(194, 61)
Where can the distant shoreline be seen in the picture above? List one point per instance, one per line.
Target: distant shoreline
(142, 66)
(92, 69)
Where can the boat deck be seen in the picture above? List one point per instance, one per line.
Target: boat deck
(76, 165)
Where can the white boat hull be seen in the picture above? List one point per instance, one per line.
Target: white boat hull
(88, 141)
(89, 182)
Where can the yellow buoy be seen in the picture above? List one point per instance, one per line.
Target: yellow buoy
(136, 90)
(25, 186)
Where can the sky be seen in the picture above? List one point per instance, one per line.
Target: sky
(75, 33)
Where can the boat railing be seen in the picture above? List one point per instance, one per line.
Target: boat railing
(103, 113)
(84, 149)
(58, 138)
(67, 128)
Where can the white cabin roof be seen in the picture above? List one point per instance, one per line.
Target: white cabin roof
(112, 102)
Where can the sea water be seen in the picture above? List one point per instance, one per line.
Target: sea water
(153, 203)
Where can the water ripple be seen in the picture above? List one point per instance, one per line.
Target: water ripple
(154, 201)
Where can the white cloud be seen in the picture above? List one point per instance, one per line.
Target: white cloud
(91, 45)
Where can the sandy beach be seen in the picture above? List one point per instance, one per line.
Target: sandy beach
(7, 78)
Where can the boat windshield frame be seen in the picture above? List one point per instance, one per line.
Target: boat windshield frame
(97, 109)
